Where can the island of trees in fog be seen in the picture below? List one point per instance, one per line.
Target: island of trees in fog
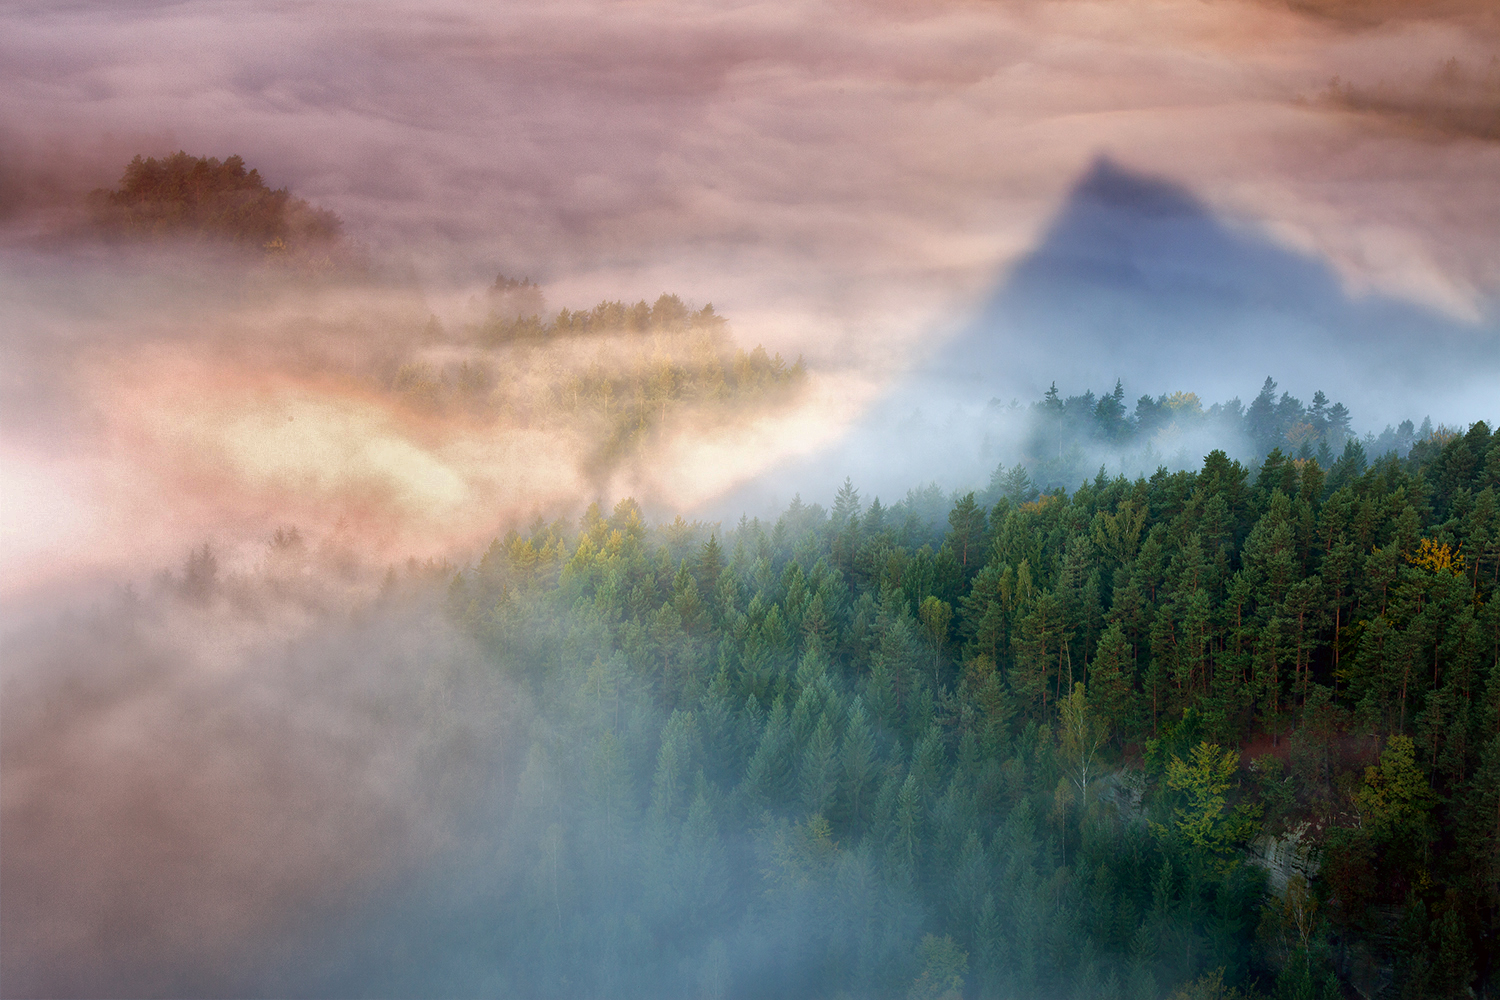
(183, 195)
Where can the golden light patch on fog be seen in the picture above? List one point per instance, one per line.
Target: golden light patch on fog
(700, 462)
(322, 449)
(235, 448)
(316, 450)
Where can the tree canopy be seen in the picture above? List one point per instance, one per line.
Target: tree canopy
(183, 195)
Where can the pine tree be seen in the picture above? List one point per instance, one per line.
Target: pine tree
(1260, 418)
(710, 565)
(720, 728)
(908, 843)
(1111, 680)
(966, 532)
(857, 766)
(768, 775)
(818, 774)
(982, 617)
(881, 694)
(701, 880)
(846, 506)
(675, 762)
(1040, 651)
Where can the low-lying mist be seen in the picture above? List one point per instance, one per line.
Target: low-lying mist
(352, 405)
(312, 778)
(196, 777)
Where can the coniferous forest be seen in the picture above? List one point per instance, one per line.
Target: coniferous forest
(1228, 732)
(200, 196)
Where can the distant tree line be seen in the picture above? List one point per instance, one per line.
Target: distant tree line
(1067, 433)
(616, 372)
(669, 314)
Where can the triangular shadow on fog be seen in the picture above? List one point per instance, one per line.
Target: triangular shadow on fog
(1137, 279)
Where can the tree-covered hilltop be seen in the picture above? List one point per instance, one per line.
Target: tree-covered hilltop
(1215, 733)
(184, 195)
(613, 375)
(518, 304)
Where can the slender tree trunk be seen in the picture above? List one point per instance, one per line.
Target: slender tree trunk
(1405, 675)
(1337, 617)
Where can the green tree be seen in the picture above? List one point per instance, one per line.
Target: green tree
(1111, 681)
(1203, 778)
(1041, 648)
(818, 775)
(983, 619)
(935, 616)
(768, 775)
(944, 966)
(966, 537)
(1395, 800)
(710, 565)
(676, 761)
(857, 764)
(845, 506)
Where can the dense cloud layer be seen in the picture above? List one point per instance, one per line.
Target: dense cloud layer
(845, 154)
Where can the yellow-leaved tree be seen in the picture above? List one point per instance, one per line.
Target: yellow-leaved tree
(1082, 735)
(1395, 800)
(1205, 821)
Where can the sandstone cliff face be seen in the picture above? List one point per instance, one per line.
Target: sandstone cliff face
(1285, 857)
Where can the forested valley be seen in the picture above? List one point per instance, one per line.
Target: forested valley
(1225, 732)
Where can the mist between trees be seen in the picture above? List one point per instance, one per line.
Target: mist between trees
(1020, 750)
(1067, 439)
(1022, 753)
(615, 373)
(513, 365)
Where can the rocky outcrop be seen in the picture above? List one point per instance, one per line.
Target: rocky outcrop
(1124, 791)
(1290, 855)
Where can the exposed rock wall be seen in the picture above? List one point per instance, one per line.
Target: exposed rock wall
(1284, 857)
(1125, 792)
